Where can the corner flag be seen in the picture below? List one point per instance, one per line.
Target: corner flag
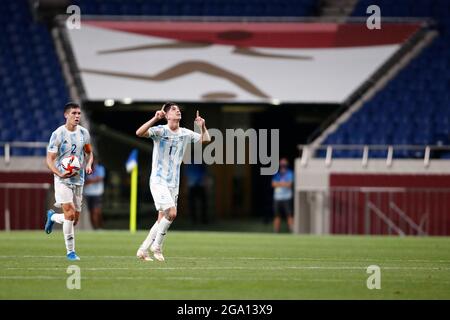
(132, 166)
(132, 160)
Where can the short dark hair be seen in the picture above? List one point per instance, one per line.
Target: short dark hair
(168, 105)
(71, 105)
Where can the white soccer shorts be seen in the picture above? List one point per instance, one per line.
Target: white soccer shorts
(68, 193)
(164, 196)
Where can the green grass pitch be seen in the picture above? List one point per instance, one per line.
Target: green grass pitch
(223, 265)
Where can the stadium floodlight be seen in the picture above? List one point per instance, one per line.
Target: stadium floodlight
(127, 100)
(276, 102)
(109, 102)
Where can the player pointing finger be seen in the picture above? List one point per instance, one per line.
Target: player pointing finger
(199, 120)
(170, 142)
(160, 114)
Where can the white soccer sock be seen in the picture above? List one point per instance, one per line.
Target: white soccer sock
(58, 218)
(163, 226)
(150, 237)
(69, 235)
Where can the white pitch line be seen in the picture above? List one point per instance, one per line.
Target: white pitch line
(172, 278)
(232, 268)
(226, 279)
(242, 258)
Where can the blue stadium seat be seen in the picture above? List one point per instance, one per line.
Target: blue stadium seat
(414, 108)
(41, 152)
(20, 152)
(199, 7)
(30, 75)
(446, 155)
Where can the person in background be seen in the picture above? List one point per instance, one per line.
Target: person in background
(94, 187)
(282, 196)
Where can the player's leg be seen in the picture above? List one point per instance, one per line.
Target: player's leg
(165, 200)
(164, 224)
(68, 230)
(77, 218)
(154, 229)
(64, 197)
(171, 214)
(72, 215)
(77, 202)
(52, 216)
(152, 233)
(142, 252)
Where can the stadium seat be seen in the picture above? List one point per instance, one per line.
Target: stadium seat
(199, 7)
(30, 77)
(410, 112)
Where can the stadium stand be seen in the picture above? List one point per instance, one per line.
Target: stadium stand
(31, 75)
(406, 111)
(32, 87)
(200, 7)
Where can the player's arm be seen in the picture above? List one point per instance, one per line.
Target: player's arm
(143, 130)
(199, 121)
(90, 157)
(51, 157)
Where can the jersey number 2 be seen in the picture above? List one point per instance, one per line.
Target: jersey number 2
(74, 147)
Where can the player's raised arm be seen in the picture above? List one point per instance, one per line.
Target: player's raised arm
(143, 130)
(199, 121)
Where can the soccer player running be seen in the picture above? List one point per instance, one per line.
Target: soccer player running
(68, 139)
(170, 143)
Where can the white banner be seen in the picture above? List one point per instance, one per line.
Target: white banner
(125, 65)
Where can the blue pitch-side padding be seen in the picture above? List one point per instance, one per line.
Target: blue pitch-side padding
(414, 108)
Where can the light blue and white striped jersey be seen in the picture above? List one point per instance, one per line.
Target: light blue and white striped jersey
(168, 152)
(65, 143)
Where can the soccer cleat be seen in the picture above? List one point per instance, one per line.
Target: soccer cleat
(143, 255)
(157, 253)
(49, 223)
(72, 256)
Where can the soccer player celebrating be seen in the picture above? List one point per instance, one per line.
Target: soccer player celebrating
(68, 139)
(170, 143)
